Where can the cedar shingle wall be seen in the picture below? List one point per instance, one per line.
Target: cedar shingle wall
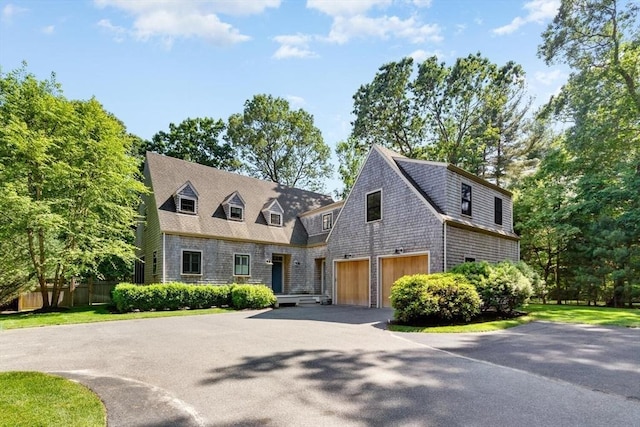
(463, 244)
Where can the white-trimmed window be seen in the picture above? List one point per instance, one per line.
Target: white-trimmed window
(374, 206)
(191, 262)
(275, 219)
(241, 265)
(187, 205)
(497, 210)
(466, 199)
(327, 221)
(236, 213)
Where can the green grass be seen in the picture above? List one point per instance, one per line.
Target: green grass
(604, 316)
(89, 314)
(37, 399)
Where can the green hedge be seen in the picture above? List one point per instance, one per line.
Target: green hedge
(174, 296)
(502, 287)
(443, 296)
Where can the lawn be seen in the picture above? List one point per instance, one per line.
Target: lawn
(604, 316)
(37, 399)
(88, 314)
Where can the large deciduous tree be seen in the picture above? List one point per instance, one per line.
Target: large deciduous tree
(196, 140)
(280, 144)
(600, 103)
(470, 114)
(68, 186)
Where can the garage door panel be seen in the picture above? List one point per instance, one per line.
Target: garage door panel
(353, 282)
(396, 267)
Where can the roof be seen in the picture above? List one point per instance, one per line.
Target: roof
(168, 174)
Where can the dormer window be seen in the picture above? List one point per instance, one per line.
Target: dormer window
(275, 219)
(273, 213)
(233, 207)
(236, 212)
(186, 199)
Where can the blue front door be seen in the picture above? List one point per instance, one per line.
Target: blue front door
(276, 277)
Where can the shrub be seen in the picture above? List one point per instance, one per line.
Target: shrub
(252, 296)
(502, 287)
(443, 296)
(169, 296)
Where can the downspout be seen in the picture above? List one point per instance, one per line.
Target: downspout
(444, 234)
(164, 264)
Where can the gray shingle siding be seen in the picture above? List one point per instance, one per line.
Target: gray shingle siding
(430, 177)
(407, 222)
(313, 224)
(463, 244)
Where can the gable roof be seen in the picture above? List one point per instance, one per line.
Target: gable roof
(167, 174)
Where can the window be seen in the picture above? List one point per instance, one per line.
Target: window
(275, 219)
(466, 199)
(327, 221)
(241, 265)
(155, 262)
(187, 205)
(374, 206)
(236, 212)
(191, 262)
(497, 210)
(467, 259)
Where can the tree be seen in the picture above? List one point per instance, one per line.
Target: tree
(196, 140)
(280, 144)
(471, 114)
(601, 104)
(67, 184)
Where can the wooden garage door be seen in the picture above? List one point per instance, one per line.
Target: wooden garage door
(352, 282)
(396, 267)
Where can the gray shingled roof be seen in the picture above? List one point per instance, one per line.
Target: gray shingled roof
(168, 174)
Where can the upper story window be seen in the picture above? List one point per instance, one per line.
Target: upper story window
(155, 262)
(497, 210)
(466, 199)
(233, 207)
(374, 206)
(186, 199)
(236, 212)
(275, 219)
(327, 221)
(273, 213)
(241, 265)
(191, 262)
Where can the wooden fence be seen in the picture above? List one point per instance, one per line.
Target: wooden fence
(91, 292)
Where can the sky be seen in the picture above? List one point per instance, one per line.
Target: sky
(155, 62)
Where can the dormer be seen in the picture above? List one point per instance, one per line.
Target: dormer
(273, 213)
(186, 198)
(233, 207)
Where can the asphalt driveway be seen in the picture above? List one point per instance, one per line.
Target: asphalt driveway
(328, 365)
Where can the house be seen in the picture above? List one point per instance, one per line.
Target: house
(403, 216)
(208, 226)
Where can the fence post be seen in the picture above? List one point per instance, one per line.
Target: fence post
(90, 289)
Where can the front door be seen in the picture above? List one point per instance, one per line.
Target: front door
(276, 276)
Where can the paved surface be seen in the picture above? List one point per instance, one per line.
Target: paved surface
(328, 365)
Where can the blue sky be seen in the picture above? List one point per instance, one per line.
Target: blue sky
(155, 62)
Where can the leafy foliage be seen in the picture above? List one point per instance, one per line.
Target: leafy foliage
(441, 296)
(280, 144)
(67, 182)
(196, 140)
(170, 296)
(252, 296)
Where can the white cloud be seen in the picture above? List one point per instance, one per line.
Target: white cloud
(49, 29)
(422, 3)
(420, 55)
(345, 7)
(548, 78)
(345, 29)
(538, 11)
(296, 101)
(119, 33)
(294, 46)
(168, 20)
(11, 10)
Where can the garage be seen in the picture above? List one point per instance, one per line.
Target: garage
(393, 268)
(352, 282)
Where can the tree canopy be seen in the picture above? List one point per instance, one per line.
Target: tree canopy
(68, 186)
(280, 144)
(196, 140)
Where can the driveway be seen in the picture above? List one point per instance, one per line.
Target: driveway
(328, 365)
